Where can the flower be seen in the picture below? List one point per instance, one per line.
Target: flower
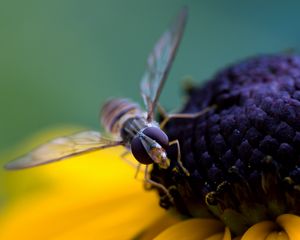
(243, 152)
(242, 156)
(83, 198)
(95, 196)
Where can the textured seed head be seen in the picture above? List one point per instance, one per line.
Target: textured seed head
(243, 156)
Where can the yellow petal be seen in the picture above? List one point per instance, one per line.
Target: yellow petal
(277, 236)
(217, 236)
(193, 229)
(291, 224)
(259, 231)
(15, 184)
(227, 234)
(87, 197)
(158, 226)
(221, 236)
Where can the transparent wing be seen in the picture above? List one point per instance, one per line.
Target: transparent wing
(62, 148)
(159, 62)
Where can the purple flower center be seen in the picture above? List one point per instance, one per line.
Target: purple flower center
(244, 155)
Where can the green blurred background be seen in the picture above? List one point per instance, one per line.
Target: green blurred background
(60, 59)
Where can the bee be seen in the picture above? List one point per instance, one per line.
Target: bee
(130, 127)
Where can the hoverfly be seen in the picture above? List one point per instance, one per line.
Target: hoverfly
(131, 127)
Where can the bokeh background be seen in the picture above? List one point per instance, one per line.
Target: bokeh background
(60, 59)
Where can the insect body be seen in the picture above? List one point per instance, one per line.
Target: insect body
(131, 127)
(145, 139)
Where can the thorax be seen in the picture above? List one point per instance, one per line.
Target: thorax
(131, 127)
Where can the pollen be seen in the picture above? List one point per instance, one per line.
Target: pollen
(244, 155)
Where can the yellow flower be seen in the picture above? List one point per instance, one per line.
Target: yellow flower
(95, 196)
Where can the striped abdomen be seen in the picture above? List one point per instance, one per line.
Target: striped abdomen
(117, 111)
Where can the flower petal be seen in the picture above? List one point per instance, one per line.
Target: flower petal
(291, 224)
(259, 231)
(277, 236)
(159, 225)
(227, 234)
(87, 197)
(216, 236)
(192, 229)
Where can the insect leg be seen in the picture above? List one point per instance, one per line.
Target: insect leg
(136, 166)
(158, 185)
(137, 171)
(179, 156)
(168, 117)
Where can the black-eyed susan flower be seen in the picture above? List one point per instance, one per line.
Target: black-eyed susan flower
(242, 157)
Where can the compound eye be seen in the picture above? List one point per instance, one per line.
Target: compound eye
(139, 151)
(158, 135)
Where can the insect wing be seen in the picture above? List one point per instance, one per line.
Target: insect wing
(62, 148)
(159, 62)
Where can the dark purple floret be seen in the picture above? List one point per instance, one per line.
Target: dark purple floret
(244, 153)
